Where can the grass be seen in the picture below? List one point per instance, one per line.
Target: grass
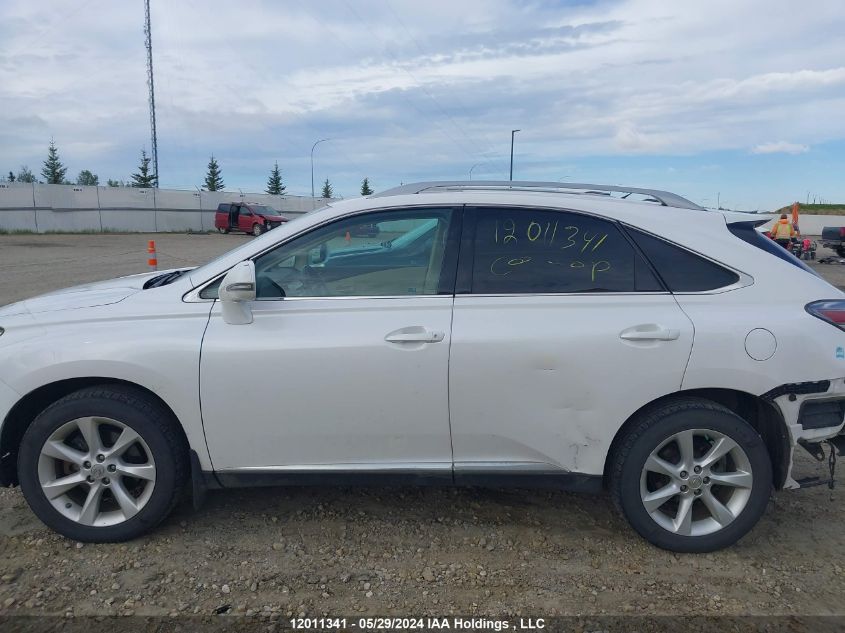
(816, 209)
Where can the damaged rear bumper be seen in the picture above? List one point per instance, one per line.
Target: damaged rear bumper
(814, 413)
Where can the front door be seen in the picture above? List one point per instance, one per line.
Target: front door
(345, 364)
(561, 333)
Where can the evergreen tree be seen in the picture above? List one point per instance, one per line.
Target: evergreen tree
(144, 178)
(86, 178)
(365, 188)
(53, 170)
(274, 183)
(327, 189)
(213, 179)
(25, 175)
(114, 183)
(11, 176)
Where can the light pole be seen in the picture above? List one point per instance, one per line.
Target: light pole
(471, 168)
(512, 134)
(312, 162)
(199, 198)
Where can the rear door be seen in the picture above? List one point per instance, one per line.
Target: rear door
(221, 216)
(560, 332)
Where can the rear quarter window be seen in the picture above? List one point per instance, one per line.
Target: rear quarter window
(223, 208)
(680, 269)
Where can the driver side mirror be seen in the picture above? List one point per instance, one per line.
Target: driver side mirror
(237, 290)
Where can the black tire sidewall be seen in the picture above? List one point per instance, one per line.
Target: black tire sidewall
(150, 515)
(675, 422)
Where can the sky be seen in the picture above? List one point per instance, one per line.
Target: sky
(737, 102)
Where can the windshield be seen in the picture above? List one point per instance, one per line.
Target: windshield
(264, 210)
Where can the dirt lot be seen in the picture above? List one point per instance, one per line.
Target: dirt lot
(394, 551)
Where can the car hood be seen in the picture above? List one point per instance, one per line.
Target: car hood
(273, 218)
(85, 296)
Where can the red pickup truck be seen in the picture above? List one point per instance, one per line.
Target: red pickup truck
(245, 217)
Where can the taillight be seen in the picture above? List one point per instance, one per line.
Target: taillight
(832, 311)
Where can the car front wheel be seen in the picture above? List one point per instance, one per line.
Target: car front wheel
(257, 229)
(103, 464)
(692, 476)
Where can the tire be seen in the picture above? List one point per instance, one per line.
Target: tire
(840, 251)
(257, 229)
(661, 430)
(222, 230)
(158, 452)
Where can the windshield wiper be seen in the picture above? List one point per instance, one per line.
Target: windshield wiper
(164, 279)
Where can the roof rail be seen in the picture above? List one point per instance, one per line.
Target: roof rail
(665, 198)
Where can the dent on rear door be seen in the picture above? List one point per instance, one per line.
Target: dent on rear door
(565, 335)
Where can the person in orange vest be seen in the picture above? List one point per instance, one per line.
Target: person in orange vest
(783, 231)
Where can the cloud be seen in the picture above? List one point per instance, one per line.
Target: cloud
(408, 91)
(780, 147)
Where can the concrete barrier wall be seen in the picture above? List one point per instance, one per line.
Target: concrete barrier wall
(72, 208)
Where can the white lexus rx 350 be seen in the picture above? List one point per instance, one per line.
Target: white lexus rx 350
(513, 334)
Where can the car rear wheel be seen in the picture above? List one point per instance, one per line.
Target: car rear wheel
(103, 464)
(222, 230)
(257, 229)
(692, 476)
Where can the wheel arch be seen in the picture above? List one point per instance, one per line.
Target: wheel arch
(24, 412)
(763, 416)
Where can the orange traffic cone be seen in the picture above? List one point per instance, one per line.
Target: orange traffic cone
(152, 261)
(348, 237)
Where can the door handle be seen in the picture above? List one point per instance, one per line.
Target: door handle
(415, 334)
(649, 332)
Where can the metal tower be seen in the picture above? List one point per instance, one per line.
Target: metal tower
(148, 42)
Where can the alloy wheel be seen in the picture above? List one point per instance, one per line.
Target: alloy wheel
(96, 471)
(696, 482)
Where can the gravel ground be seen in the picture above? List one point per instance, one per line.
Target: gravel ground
(404, 551)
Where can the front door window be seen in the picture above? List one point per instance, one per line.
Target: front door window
(388, 253)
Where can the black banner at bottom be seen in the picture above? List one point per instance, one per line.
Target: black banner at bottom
(536, 624)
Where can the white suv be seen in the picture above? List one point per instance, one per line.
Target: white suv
(488, 333)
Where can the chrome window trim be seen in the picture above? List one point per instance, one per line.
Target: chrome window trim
(744, 281)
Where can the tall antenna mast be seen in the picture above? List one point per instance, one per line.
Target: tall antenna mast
(148, 42)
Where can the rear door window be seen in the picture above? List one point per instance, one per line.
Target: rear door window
(522, 250)
(680, 269)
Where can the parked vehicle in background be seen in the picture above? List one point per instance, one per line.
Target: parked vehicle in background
(834, 237)
(500, 333)
(246, 218)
